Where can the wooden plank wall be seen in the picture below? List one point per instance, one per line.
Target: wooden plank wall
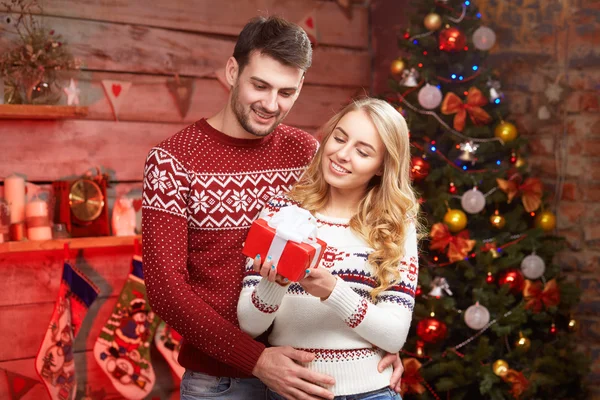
(144, 43)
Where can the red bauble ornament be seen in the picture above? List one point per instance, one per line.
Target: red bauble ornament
(489, 278)
(452, 40)
(452, 188)
(419, 168)
(431, 330)
(514, 278)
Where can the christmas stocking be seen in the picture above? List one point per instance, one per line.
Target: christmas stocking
(123, 347)
(55, 363)
(168, 342)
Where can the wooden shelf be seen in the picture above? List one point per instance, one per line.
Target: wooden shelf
(28, 111)
(74, 243)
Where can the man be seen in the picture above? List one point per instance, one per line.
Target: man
(202, 189)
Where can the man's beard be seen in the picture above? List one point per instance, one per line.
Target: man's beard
(244, 118)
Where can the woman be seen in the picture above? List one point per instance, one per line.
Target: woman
(358, 303)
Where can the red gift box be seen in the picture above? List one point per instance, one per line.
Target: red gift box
(295, 258)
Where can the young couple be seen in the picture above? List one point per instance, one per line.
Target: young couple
(338, 331)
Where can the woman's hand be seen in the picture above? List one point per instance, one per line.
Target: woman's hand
(269, 271)
(319, 282)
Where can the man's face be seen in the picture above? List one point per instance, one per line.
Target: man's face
(264, 93)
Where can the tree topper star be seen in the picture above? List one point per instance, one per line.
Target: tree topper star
(72, 93)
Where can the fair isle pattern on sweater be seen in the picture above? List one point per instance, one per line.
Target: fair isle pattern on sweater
(402, 293)
(262, 306)
(363, 280)
(349, 331)
(224, 195)
(329, 355)
(354, 319)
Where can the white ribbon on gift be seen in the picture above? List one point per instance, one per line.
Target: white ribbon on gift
(294, 224)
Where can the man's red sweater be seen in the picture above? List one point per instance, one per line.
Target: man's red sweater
(202, 190)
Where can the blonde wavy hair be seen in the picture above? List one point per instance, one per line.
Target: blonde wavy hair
(389, 205)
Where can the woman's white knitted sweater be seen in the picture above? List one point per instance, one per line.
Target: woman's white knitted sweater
(348, 332)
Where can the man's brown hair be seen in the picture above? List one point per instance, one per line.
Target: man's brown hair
(274, 36)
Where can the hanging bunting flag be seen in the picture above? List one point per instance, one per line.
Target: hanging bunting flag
(18, 385)
(220, 75)
(116, 91)
(309, 24)
(182, 90)
(122, 349)
(55, 362)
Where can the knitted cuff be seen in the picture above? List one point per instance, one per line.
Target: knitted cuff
(245, 353)
(348, 304)
(270, 292)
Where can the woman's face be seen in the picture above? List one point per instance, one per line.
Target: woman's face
(353, 154)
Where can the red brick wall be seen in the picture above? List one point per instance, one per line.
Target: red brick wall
(537, 41)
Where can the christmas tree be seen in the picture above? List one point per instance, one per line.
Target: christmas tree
(493, 316)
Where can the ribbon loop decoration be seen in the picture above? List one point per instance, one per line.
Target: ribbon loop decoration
(294, 224)
(458, 245)
(452, 104)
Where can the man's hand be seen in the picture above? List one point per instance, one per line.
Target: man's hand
(276, 369)
(396, 362)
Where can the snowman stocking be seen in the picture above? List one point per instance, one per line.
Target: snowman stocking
(123, 348)
(55, 363)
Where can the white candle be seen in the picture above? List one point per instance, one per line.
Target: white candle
(39, 233)
(38, 225)
(14, 193)
(36, 208)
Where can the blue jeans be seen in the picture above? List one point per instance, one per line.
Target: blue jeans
(380, 394)
(199, 386)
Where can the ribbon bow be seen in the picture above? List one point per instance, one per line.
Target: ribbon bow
(538, 296)
(458, 246)
(531, 191)
(518, 381)
(411, 377)
(452, 104)
(294, 223)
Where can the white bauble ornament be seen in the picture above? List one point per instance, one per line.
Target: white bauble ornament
(533, 266)
(473, 201)
(477, 316)
(484, 38)
(430, 97)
